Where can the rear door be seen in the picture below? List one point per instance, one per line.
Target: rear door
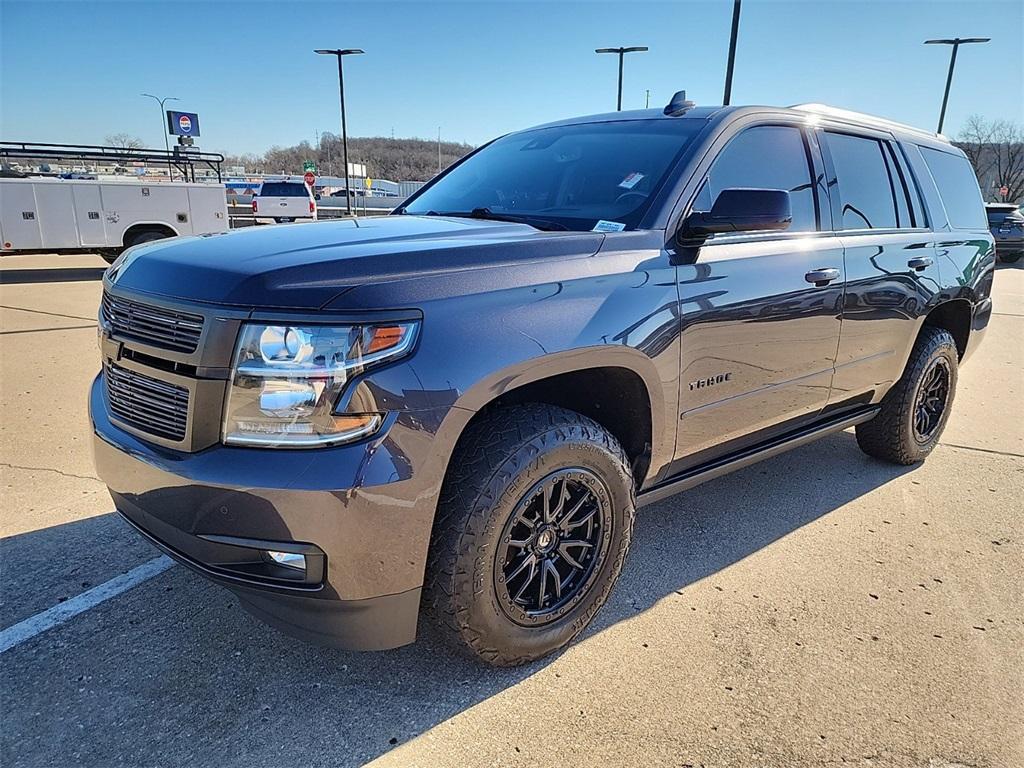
(892, 272)
(760, 312)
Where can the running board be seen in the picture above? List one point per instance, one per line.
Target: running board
(732, 462)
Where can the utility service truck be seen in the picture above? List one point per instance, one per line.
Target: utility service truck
(53, 214)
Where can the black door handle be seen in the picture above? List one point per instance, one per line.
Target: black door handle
(920, 263)
(822, 277)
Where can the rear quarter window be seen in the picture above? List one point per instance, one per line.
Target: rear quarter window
(958, 188)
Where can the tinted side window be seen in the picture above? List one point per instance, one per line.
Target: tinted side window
(958, 188)
(766, 157)
(864, 173)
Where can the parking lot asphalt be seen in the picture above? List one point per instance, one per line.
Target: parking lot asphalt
(820, 608)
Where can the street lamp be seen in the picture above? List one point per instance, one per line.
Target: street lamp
(956, 42)
(163, 127)
(727, 97)
(621, 52)
(341, 53)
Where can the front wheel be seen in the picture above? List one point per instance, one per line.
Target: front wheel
(914, 412)
(534, 523)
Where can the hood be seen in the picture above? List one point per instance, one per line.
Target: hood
(306, 265)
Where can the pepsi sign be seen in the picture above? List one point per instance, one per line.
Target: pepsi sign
(182, 123)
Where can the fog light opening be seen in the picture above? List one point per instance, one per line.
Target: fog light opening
(288, 559)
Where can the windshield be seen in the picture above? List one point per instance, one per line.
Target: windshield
(581, 177)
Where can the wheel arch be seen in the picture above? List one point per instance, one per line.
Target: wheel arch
(953, 316)
(146, 226)
(617, 387)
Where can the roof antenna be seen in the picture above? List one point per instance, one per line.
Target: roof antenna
(678, 105)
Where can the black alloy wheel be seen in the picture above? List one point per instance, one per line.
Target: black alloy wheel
(932, 398)
(551, 546)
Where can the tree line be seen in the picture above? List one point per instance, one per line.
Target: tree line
(996, 150)
(994, 147)
(384, 158)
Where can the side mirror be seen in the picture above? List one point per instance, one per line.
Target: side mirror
(739, 210)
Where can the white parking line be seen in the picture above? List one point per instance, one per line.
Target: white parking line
(58, 614)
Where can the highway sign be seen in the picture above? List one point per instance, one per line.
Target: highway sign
(309, 165)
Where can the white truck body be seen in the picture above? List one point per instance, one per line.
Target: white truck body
(285, 200)
(67, 214)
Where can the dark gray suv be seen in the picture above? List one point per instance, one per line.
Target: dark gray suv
(1006, 222)
(454, 411)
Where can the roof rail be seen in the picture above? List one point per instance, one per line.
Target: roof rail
(864, 119)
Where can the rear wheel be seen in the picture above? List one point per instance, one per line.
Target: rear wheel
(146, 236)
(533, 525)
(914, 412)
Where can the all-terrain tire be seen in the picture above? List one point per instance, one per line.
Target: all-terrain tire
(501, 457)
(147, 236)
(891, 435)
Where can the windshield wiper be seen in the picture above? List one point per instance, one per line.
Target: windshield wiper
(486, 213)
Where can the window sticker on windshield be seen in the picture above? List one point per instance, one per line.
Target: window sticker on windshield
(631, 180)
(608, 226)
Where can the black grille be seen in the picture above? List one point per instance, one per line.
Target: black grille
(146, 404)
(159, 327)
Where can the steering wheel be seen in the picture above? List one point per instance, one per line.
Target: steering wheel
(641, 196)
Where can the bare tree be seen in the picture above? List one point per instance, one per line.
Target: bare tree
(996, 150)
(123, 141)
(1009, 143)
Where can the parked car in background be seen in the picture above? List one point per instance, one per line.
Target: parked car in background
(1006, 222)
(283, 201)
(457, 408)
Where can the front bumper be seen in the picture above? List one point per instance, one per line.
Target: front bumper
(361, 512)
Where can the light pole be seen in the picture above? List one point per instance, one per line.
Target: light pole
(163, 127)
(621, 52)
(956, 42)
(341, 53)
(732, 52)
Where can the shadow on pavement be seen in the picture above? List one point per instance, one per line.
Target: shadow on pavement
(59, 275)
(173, 672)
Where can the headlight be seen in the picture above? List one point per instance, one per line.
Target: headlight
(286, 379)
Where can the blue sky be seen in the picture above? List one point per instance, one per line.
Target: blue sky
(73, 72)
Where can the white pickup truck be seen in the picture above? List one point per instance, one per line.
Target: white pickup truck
(50, 214)
(285, 200)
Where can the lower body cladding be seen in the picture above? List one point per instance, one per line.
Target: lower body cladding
(327, 545)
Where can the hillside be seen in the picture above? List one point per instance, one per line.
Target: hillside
(394, 159)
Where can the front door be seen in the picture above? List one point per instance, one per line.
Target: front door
(760, 313)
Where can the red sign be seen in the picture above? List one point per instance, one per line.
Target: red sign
(309, 178)
(1004, 191)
